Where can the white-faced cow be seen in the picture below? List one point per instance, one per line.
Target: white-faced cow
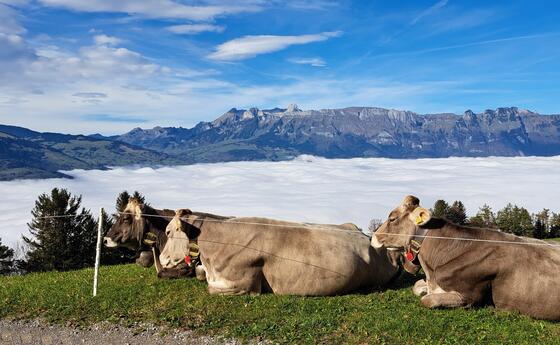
(254, 255)
(467, 266)
(140, 228)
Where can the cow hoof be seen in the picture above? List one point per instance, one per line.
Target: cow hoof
(420, 288)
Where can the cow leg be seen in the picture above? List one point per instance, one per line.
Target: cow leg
(443, 300)
(420, 288)
(145, 259)
(251, 283)
(200, 272)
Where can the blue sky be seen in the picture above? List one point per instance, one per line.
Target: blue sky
(107, 66)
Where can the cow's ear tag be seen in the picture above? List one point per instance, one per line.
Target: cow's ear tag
(409, 256)
(419, 220)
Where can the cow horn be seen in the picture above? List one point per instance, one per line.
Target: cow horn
(157, 263)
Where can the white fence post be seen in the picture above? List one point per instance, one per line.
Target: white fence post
(97, 251)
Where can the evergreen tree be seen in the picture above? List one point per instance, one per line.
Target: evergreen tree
(554, 226)
(124, 196)
(122, 200)
(515, 220)
(136, 195)
(441, 207)
(6, 259)
(63, 236)
(539, 230)
(485, 218)
(457, 213)
(542, 224)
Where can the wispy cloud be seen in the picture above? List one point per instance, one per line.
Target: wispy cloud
(472, 44)
(108, 40)
(428, 11)
(250, 46)
(90, 95)
(417, 18)
(156, 8)
(114, 118)
(315, 62)
(193, 29)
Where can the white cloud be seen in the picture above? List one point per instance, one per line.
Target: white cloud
(106, 40)
(306, 189)
(193, 29)
(315, 62)
(250, 46)
(155, 8)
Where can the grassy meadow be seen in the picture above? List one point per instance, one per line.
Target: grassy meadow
(130, 294)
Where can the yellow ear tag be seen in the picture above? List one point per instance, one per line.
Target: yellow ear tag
(419, 220)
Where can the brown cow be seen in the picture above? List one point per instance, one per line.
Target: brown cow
(253, 255)
(521, 274)
(138, 225)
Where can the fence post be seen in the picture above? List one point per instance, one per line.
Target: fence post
(97, 251)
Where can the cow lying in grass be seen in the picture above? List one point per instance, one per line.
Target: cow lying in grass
(521, 275)
(140, 228)
(254, 255)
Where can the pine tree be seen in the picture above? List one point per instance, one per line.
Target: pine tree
(63, 236)
(122, 200)
(515, 220)
(542, 224)
(539, 230)
(441, 207)
(554, 226)
(124, 196)
(457, 213)
(485, 218)
(6, 259)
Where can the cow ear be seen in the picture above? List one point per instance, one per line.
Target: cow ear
(420, 216)
(410, 202)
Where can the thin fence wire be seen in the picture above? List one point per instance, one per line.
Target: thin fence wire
(311, 226)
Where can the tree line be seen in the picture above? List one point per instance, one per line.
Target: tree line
(512, 219)
(63, 234)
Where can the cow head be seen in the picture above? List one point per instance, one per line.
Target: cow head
(130, 227)
(180, 233)
(402, 224)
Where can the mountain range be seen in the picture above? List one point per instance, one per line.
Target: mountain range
(279, 134)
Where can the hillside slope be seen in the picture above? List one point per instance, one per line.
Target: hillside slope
(29, 154)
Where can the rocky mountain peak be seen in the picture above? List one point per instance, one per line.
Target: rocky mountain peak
(293, 108)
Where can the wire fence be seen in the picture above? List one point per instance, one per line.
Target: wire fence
(317, 226)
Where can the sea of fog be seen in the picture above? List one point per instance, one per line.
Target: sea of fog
(306, 189)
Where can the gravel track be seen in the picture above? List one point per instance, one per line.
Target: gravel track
(15, 332)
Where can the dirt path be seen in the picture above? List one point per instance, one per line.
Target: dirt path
(39, 332)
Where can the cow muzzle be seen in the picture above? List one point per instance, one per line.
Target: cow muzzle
(109, 243)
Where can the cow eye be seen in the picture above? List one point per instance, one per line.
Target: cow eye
(392, 219)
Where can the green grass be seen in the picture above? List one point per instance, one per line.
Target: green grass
(130, 293)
